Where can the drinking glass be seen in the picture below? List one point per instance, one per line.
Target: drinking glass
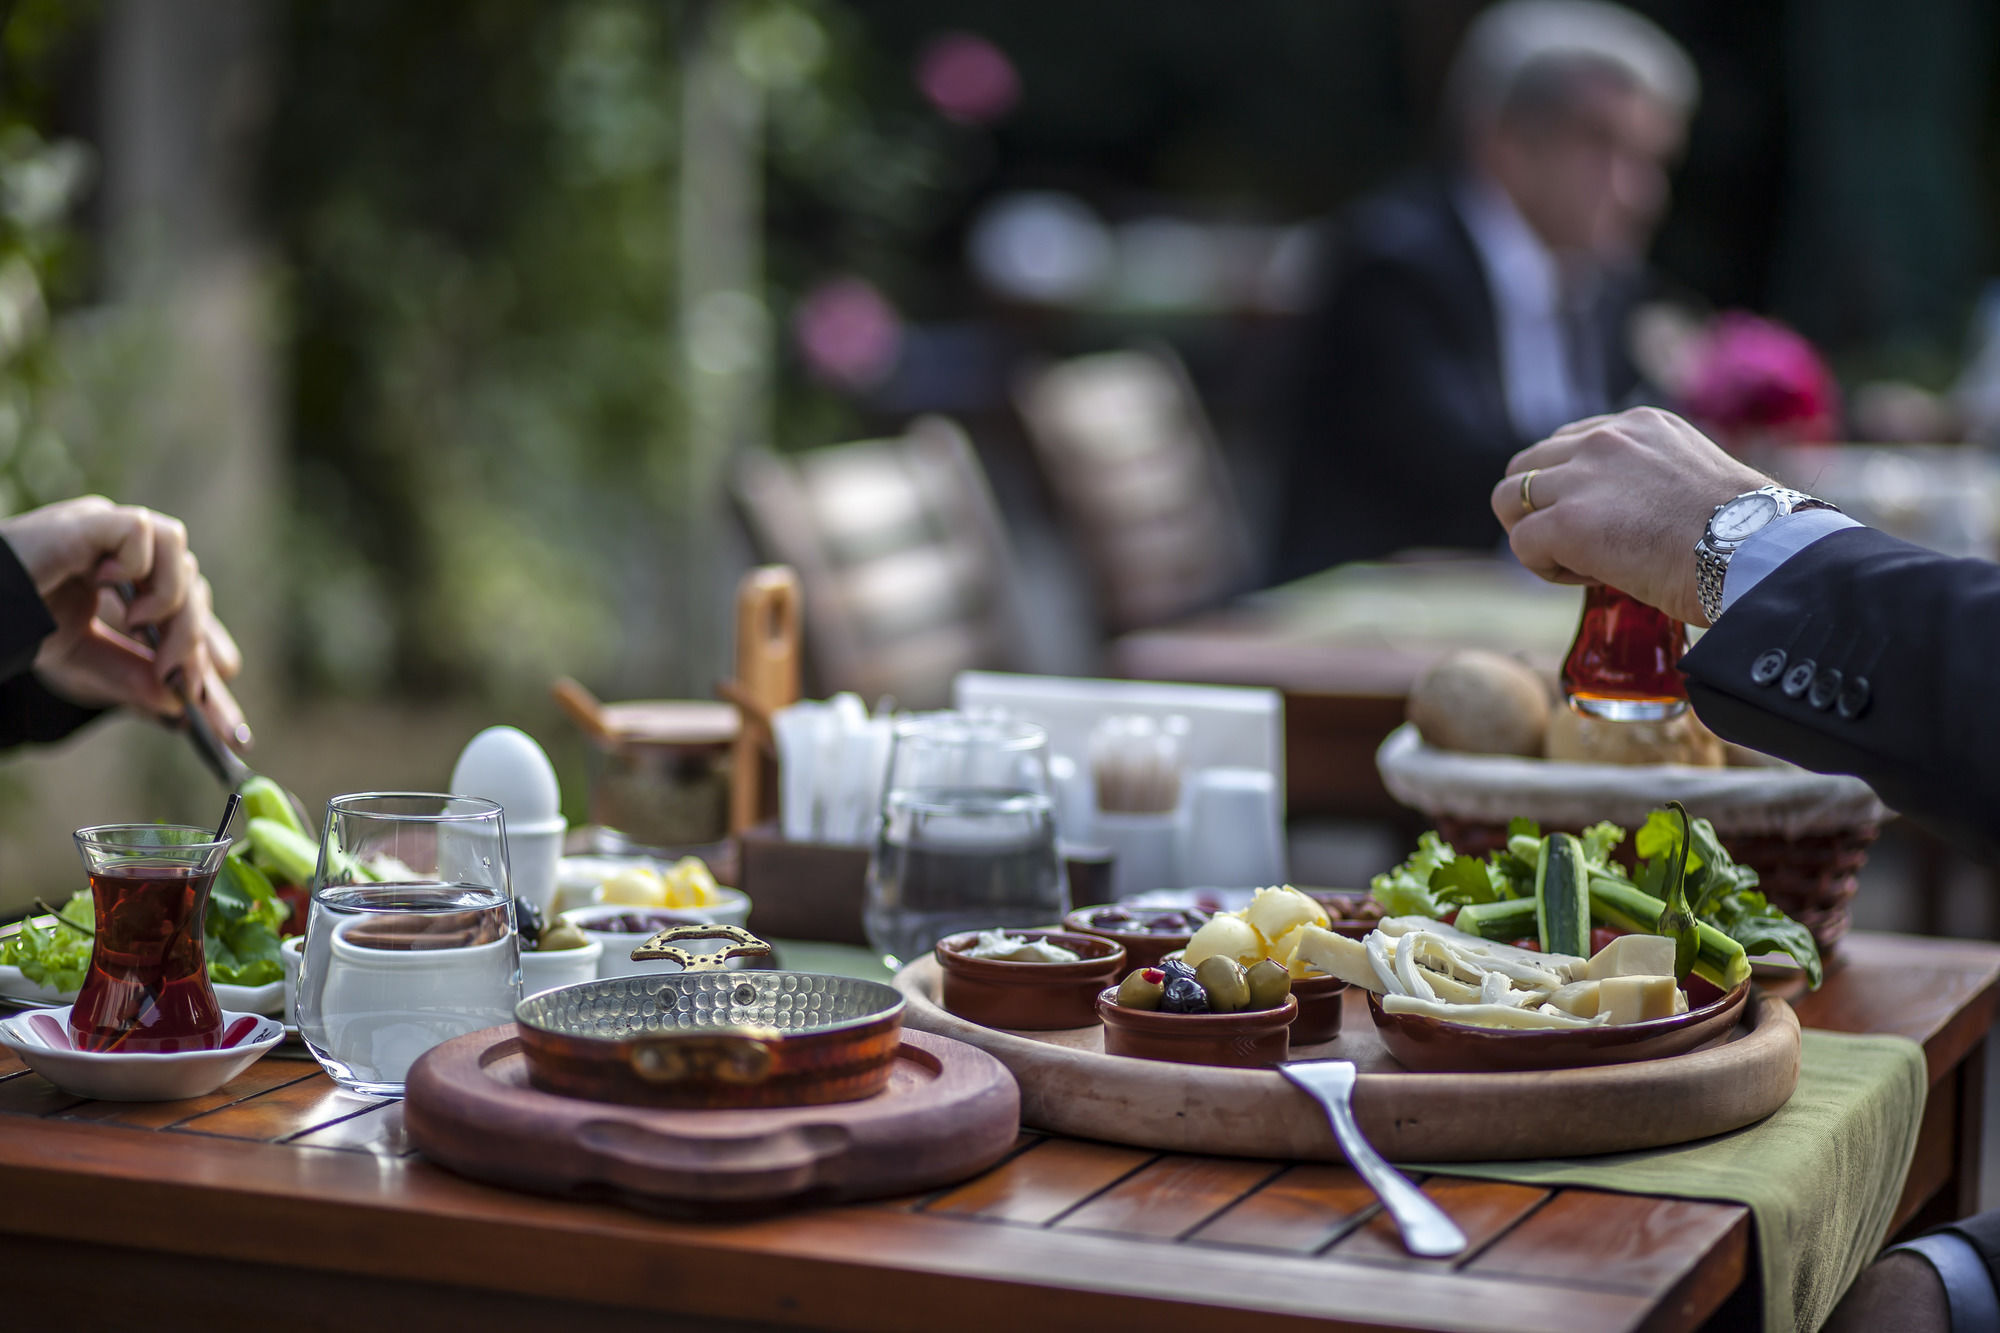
(1623, 664)
(410, 937)
(967, 839)
(147, 990)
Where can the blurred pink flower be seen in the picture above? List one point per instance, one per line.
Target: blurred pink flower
(847, 333)
(967, 78)
(1754, 378)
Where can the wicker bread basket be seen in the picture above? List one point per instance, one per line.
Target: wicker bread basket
(1806, 834)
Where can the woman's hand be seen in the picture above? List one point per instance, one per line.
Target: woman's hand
(77, 552)
(1621, 500)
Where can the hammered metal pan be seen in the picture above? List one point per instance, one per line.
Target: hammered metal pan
(707, 1038)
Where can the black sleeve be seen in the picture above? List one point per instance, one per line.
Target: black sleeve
(1867, 655)
(24, 621)
(28, 711)
(1399, 429)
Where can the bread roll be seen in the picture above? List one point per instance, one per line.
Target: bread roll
(1481, 703)
(1596, 740)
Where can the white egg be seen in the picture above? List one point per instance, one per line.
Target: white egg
(504, 764)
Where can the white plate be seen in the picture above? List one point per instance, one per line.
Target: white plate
(268, 998)
(134, 1078)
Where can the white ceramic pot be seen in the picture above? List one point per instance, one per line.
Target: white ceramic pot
(533, 853)
(558, 967)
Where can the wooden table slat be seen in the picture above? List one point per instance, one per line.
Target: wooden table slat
(282, 1113)
(1300, 1212)
(1623, 1242)
(1484, 1210)
(1043, 1183)
(1171, 1196)
(258, 1079)
(10, 1063)
(378, 1130)
(31, 1094)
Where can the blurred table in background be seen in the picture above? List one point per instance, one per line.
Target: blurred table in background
(1344, 647)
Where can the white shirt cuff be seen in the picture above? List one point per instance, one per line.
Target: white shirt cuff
(1775, 543)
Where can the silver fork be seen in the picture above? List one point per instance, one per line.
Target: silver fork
(1426, 1230)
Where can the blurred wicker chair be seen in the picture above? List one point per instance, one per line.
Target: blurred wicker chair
(903, 560)
(1133, 463)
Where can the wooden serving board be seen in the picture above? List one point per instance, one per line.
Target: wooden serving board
(950, 1111)
(1070, 1086)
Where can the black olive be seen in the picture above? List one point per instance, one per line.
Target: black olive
(528, 922)
(1184, 995)
(1177, 968)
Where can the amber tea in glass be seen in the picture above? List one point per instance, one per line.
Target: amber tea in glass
(1623, 665)
(147, 990)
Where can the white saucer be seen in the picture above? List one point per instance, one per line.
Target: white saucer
(134, 1078)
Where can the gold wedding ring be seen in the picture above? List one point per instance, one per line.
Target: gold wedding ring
(1527, 492)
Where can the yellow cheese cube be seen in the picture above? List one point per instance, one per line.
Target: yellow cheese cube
(1277, 912)
(1636, 999)
(1632, 956)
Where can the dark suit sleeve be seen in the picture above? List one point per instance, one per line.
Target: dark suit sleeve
(1915, 709)
(1400, 429)
(28, 711)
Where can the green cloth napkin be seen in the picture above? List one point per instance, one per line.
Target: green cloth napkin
(1821, 1176)
(842, 960)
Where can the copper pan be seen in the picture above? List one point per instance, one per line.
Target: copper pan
(707, 1038)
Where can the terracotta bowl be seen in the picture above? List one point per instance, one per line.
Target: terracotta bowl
(1029, 997)
(1143, 948)
(1320, 1001)
(1433, 1045)
(1250, 1040)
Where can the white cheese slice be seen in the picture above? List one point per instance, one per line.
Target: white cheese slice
(1632, 956)
(1636, 999)
(1338, 956)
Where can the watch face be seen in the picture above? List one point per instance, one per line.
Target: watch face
(1742, 516)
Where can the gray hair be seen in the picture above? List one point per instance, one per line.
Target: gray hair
(1525, 56)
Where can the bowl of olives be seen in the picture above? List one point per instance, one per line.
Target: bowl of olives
(1219, 1013)
(1027, 994)
(1147, 933)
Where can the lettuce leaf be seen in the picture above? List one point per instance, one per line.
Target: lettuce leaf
(54, 955)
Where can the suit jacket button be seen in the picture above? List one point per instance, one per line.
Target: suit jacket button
(1770, 665)
(1853, 700)
(1799, 679)
(1825, 689)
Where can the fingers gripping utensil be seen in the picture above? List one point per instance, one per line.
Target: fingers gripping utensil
(1427, 1232)
(225, 763)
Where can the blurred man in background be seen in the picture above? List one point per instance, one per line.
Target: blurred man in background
(1472, 310)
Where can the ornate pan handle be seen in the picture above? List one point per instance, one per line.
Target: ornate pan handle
(742, 945)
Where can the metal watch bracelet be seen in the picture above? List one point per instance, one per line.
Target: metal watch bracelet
(1711, 562)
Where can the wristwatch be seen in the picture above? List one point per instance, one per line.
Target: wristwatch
(1732, 524)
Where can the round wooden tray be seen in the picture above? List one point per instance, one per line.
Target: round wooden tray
(949, 1112)
(1070, 1086)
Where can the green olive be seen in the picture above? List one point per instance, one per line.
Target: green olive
(1142, 989)
(1222, 977)
(1269, 984)
(562, 935)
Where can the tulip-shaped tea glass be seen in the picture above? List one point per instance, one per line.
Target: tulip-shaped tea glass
(410, 937)
(968, 834)
(147, 989)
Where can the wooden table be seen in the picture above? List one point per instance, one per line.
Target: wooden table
(281, 1202)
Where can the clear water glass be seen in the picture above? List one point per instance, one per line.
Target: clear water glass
(410, 938)
(967, 839)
